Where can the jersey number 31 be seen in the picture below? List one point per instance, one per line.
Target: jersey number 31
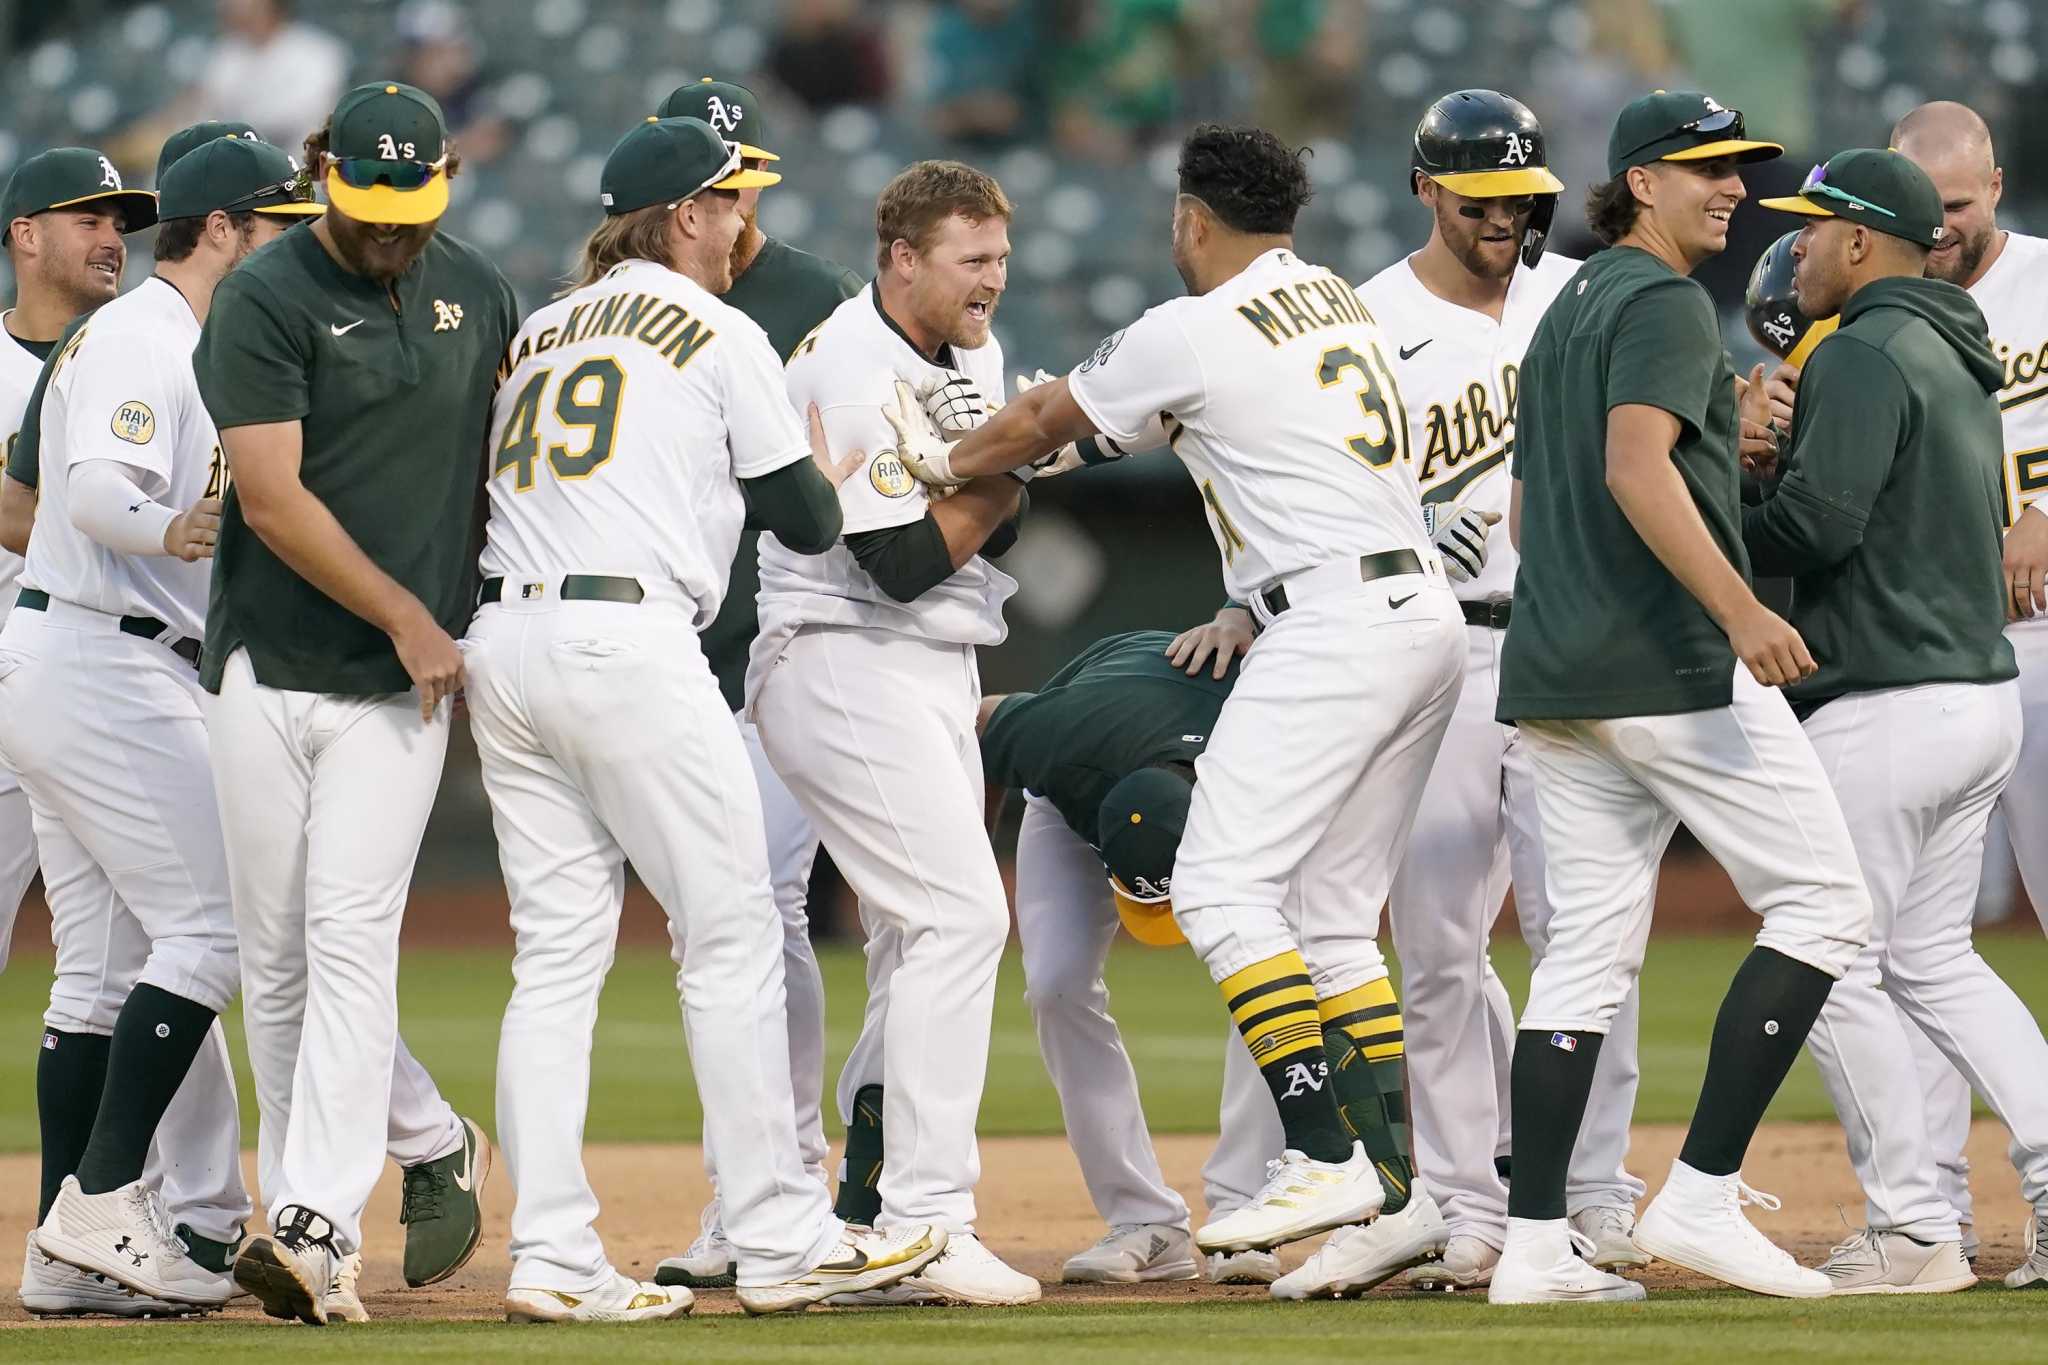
(587, 400)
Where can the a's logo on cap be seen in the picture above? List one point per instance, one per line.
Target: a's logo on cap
(390, 149)
(722, 116)
(109, 177)
(1152, 890)
(1517, 153)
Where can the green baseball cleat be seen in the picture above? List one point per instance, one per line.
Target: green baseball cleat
(440, 1208)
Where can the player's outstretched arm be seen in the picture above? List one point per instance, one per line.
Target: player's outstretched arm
(1037, 423)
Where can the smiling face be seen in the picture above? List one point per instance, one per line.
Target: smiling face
(1484, 235)
(1692, 201)
(380, 251)
(956, 283)
(76, 254)
(1970, 187)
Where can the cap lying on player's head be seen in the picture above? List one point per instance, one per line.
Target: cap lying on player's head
(1771, 307)
(942, 252)
(195, 136)
(1674, 160)
(670, 192)
(64, 212)
(1235, 184)
(1865, 205)
(1140, 826)
(1952, 143)
(1479, 157)
(386, 161)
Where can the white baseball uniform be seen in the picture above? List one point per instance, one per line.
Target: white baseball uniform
(866, 708)
(1457, 369)
(102, 719)
(18, 370)
(604, 738)
(1280, 402)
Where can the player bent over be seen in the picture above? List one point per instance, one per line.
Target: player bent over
(1276, 396)
(1632, 609)
(1887, 518)
(637, 416)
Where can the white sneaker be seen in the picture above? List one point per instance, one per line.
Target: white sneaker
(1467, 1263)
(126, 1235)
(1876, 1261)
(343, 1302)
(51, 1289)
(1356, 1259)
(617, 1300)
(863, 1260)
(1242, 1267)
(1611, 1230)
(1300, 1199)
(966, 1273)
(1543, 1263)
(1134, 1253)
(291, 1271)
(710, 1263)
(1696, 1221)
(2033, 1272)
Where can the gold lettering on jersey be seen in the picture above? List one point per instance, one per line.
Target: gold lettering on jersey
(2021, 367)
(666, 327)
(1308, 301)
(1299, 320)
(217, 477)
(1269, 326)
(1306, 306)
(1468, 427)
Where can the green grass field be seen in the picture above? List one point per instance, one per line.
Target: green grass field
(451, 1002)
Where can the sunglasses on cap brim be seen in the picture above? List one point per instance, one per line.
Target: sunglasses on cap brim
(363, 173)
(1727, 121)
(1816, 182)
(297, 192)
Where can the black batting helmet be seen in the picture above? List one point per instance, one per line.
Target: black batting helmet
(1486, 145)
(1772, 309)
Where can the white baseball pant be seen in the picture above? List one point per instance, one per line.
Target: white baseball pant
(603, 739)
(1917, 771)
(874, 733)
(17, 857)
(1744, 779)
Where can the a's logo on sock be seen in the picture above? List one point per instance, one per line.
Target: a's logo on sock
(1771, 1028)
(1564, 1041)
(1301, 1080)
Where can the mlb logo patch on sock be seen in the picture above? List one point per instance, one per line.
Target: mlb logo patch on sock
(1565, 1041)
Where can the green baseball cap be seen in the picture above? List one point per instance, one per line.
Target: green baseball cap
(186, 139)
(1880, 189)
(666, 160)
(65, 177)
(1680, 125)
(1139, 824)
(389, 147)
(239, 176)
(733, 111)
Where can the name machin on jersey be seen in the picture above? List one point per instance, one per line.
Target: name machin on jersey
(648, 318)
(1306, 306)
(1467, 437)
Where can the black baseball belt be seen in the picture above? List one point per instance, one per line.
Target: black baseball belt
(1492, 614)
(147, 627)
(575, 587)
(1385, 564)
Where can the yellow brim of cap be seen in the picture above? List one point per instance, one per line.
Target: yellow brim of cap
(301, 210)
(1740, 150)
(1796, 203)
(747, 180)
(1149, 922)
(1497, 184)
(383, 205)
(1815, 335)
(757, 154)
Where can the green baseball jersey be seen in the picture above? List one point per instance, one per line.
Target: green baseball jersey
(1889, 519)
(1601, 628)
(1118, 706)
(788, 292)
(392, 390)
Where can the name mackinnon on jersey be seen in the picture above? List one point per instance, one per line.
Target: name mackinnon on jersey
(648, 318)
(1468, 436)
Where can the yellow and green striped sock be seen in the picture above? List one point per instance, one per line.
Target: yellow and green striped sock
(1273, 1004)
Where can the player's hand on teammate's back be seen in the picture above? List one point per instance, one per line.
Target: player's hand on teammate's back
(193, 533)
(918, 442)
(1773, 651)
(1225, 637)
(836, 471)
(1462, 543)
(2026, 565)
(430, 659)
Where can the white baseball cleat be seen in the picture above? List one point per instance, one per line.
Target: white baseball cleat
(51, 1289)
(125, 1235)
(864, 1259)
(619, 1299)
(1134, 1253)
(710, 1262)
(1242, 1267)
(1467, 1263)
(1696, 1221)
(1357, 1259)
(1611, 1230)
(965, 1273)
(2032, 1273)
(1543, 1262)
(1876, 1261)
(1300, 1199)
(291, 1271)
(344, 1303)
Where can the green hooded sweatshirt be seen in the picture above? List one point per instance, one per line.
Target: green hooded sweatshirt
(1887, 516)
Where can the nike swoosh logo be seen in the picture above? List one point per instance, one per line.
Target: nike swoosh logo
(1408, 352)
(344, 331)
(852, 1265)
(1395, 603)
(468, 1163)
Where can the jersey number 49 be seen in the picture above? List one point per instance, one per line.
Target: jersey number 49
(587, 400)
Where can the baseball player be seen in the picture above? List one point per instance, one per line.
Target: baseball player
(787, 293)
(2007, 274)
(102, 716)
(1632, 608)
(635, 410)
(349, 369)
(1887, 517)
(1459, 313)
(1275, 393)
(864, 686)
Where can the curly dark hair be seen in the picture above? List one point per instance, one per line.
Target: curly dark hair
(1250, 179)
(1611, 209)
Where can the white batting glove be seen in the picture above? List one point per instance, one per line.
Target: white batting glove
(1462, 543)
(955, 404)
(924, 452)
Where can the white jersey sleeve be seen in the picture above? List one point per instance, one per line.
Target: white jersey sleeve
(19, 370)
(122, 402)
(1148, 369)
(765, 433)
(851, 400)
